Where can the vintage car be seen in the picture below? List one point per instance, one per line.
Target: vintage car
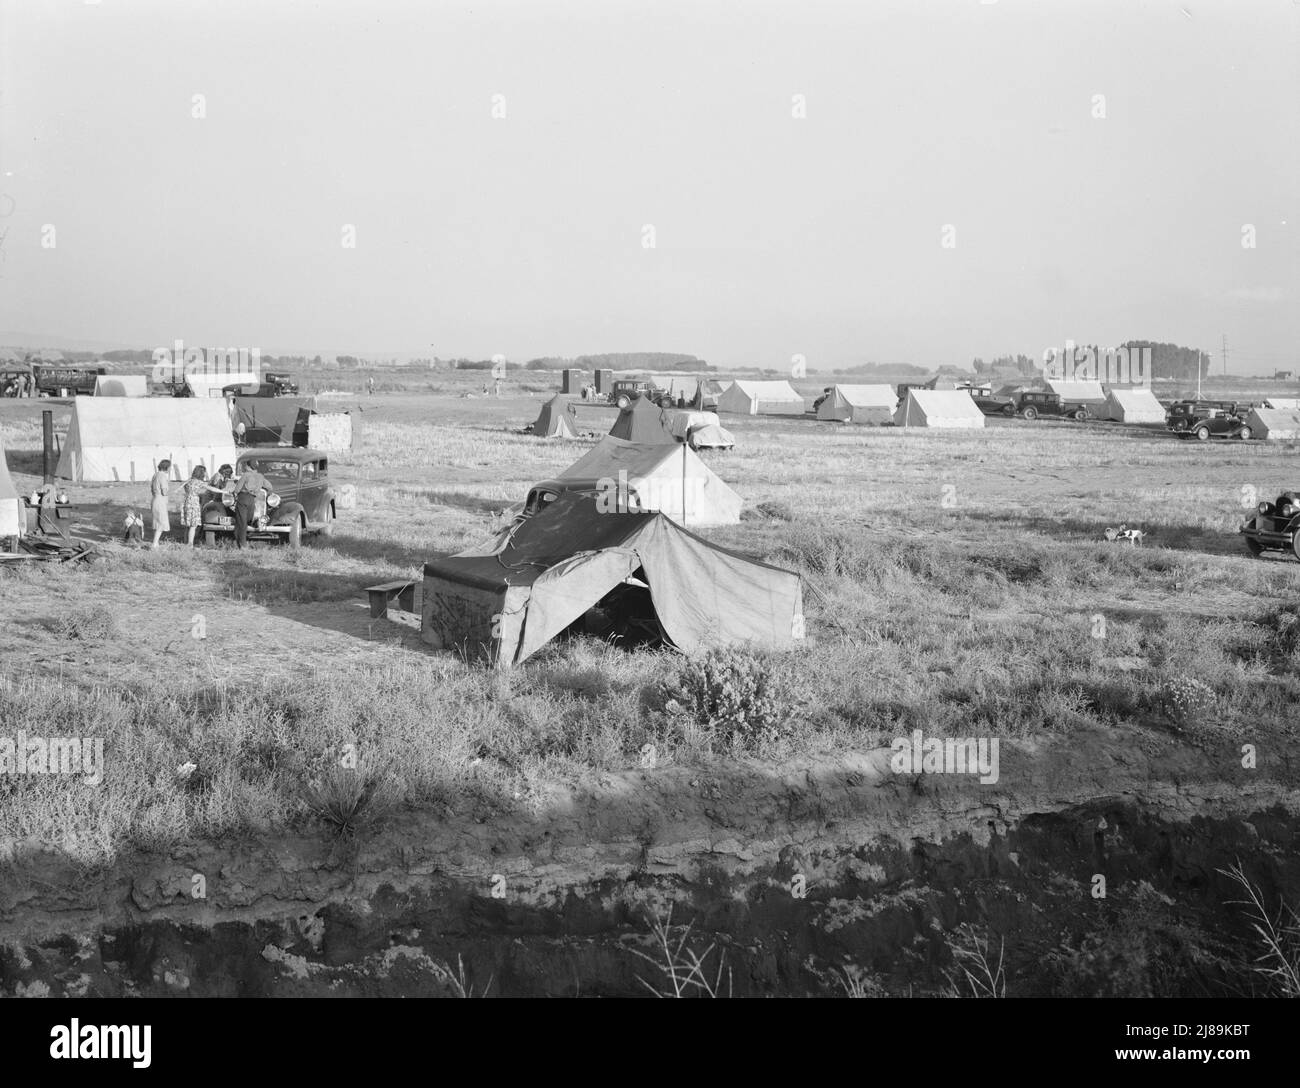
(625, 391)
(1208, 419)
(991, 404)
(1031, 405)
(301, 500)
(1275, 526)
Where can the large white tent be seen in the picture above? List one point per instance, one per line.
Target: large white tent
(121, 385)
(1084, 391)
(938, 408)
(124, 438)
(1133, 406)
(1283, 404)
(1274, 423)
(859, 404)
(13, 516)
(668, 478)
(761, 398)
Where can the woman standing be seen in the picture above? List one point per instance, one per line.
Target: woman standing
(196, 489)
(158, 506)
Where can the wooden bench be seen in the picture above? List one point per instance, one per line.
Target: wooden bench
(381, 596)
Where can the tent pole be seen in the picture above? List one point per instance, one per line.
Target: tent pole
(683, 485)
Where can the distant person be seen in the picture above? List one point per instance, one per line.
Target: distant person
(370, 385)
(158, 514)
(246, 488)
(498, 387)
(195, 491)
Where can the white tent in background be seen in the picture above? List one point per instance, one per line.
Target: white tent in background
(666, 477)
(938, 408)
(1283, 404)
(121, 385)
(1084, 391)
(761, 398)
(211, 385)
(1133, 406)
(1273, 423)
(124, 438)
(13, 515)
(859, 404)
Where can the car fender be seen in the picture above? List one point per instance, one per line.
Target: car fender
(288, 512)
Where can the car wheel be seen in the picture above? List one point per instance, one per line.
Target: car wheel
(666, 402)
(295, 533)
(1295, 543)
(1245, 434)
(1080, 416)
(1202, 434)
(623, 401)
(1008, 409)
(1031, 413)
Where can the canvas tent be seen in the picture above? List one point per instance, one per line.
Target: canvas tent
(938, 408)
(859, 404)
(684, 386)
(123, 438)
(1133, 406)
(761, 398)
(121, 385)
(613, 574)
(670, 479)
(213, 385)
(643, 421)
(702, 430)
(1273, 423)
(707, 393)
(13, 515)
(1283, 404)
(1083, 391)
(557, 419)
(272, 421)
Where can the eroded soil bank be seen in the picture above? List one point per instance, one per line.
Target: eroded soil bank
(801, 878)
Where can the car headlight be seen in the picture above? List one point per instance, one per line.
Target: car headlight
(227, 500)
(1288, 510)
(272, 501)
(1262, 508)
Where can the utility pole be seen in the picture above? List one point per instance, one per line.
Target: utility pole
(1200, 365)
(1225, 354)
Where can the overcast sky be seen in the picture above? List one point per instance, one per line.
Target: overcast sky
(774, 234)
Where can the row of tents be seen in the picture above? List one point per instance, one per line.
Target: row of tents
(642, 421)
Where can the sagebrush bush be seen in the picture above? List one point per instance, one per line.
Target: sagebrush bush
(746, 700)
(92, 623)
(1186, 700)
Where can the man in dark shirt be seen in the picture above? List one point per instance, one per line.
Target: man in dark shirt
(246, 489)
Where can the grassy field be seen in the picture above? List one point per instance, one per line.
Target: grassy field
(958, 582)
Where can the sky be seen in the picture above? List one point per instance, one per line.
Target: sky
(924, 181)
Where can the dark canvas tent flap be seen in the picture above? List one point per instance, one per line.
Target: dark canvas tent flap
(274, 421)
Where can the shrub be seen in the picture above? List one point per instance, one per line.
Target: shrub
(94, 623)
(738, 696)
(1282, 635)
(1186, 700)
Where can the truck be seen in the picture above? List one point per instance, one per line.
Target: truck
(62, 380)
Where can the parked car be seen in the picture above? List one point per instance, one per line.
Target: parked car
(1191, 407)
(301, 500)
(1031, 405)
(1206, 420)
(625, 391)
(1275, 526)
(993, 405)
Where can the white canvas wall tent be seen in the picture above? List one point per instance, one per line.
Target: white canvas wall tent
(13, 514)
(121, 385)
(213, 385)
(1275, 424)
(1283, 404)
(1083, 391)
(557, 419)
(1133, 406)
(859, 404)
(666, 478)
(124, 438)
(625, 577)
(938, 408)
(761, 398)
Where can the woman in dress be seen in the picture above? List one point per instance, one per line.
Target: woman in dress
(158, 505)
(196, 490)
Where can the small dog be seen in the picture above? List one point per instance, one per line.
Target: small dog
(1133, 536)
(133, 528)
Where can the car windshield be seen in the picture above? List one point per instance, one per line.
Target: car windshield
(279, 470)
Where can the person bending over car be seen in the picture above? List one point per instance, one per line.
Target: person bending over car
(246, 489)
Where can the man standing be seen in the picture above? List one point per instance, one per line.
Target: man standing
(246, 489)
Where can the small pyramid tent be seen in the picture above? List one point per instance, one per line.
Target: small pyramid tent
(121, 385)
(615, 574)
(669, 479)
(124, 438)
(761, 398)
(557, 419)
(938, 408)
(859, 404)
(13, 517)
(1274, 423)
(1133, 406)
(643, 421)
